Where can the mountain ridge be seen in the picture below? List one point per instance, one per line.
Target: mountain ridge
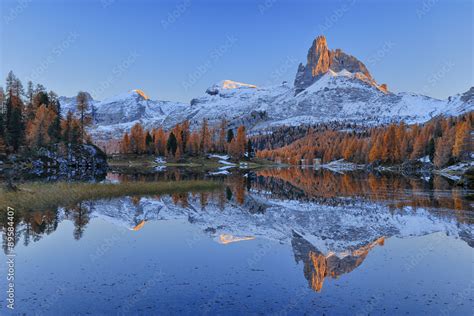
(333, 86)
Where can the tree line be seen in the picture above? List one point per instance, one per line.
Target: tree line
(445, 140)
(32, 119)
(181, 141)
(285, 135)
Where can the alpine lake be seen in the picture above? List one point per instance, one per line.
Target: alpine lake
(239, 241)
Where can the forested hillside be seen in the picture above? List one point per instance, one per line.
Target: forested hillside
(444, 140)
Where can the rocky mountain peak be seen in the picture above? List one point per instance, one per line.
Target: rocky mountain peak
(320, 60)
(141, 93)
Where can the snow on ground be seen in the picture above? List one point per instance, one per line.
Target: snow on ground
(341, 165)
(225, 162)
(223, 159)
(221, 170)
(456, 171)
(220, 157)
(425, 159)
(160, 160)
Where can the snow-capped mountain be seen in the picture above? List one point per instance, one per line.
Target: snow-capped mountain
(332, 86)
(70, 104)
(113, 116)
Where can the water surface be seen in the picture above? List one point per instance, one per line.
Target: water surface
(277, 241)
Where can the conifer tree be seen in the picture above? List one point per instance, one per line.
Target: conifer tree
(137, 139)
(125, 144)
(221, 143)
(37, 134)
(462, 142)
(230, 135)
(14, 122)
(160, 142)
(82, 108)
(250, 152)
(172, 144)
(55, 128)
(205, 137)
(149, 143)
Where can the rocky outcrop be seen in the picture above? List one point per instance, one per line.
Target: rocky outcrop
(63, 162)
(320, 60)
(468, 96)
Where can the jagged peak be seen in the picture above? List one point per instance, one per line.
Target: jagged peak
(321, 60)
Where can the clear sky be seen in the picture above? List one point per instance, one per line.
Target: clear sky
(174, 50)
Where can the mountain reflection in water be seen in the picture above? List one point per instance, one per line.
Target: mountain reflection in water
(318, 266)
(332, 221)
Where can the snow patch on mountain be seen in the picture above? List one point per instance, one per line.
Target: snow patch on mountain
(115, 115)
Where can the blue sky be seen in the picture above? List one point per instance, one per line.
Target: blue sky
(174, 50)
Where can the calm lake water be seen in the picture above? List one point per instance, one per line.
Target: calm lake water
(278, 241)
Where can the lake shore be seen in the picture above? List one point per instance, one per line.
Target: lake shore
(41, 196)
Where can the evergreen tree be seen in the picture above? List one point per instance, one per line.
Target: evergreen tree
(14, 86)
(14, 122)
(14, 125)
(30, 92)
(55, 128)
(2, 114)
(205, 137)
(149, 143)
(230, 135)
(82, 107)
(3, 150)
(172, 144)
(431, 149)
(2, 100)
(250, 149)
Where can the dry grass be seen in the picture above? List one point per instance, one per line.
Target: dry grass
(42, 196)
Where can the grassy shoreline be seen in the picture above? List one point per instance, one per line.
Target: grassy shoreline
(41, 196)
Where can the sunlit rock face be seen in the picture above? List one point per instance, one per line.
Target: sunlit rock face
(142, 93)
(320, 60)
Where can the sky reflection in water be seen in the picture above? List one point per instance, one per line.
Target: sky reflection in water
(275, 241)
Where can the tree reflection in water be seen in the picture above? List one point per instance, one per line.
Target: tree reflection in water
(250, 191)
